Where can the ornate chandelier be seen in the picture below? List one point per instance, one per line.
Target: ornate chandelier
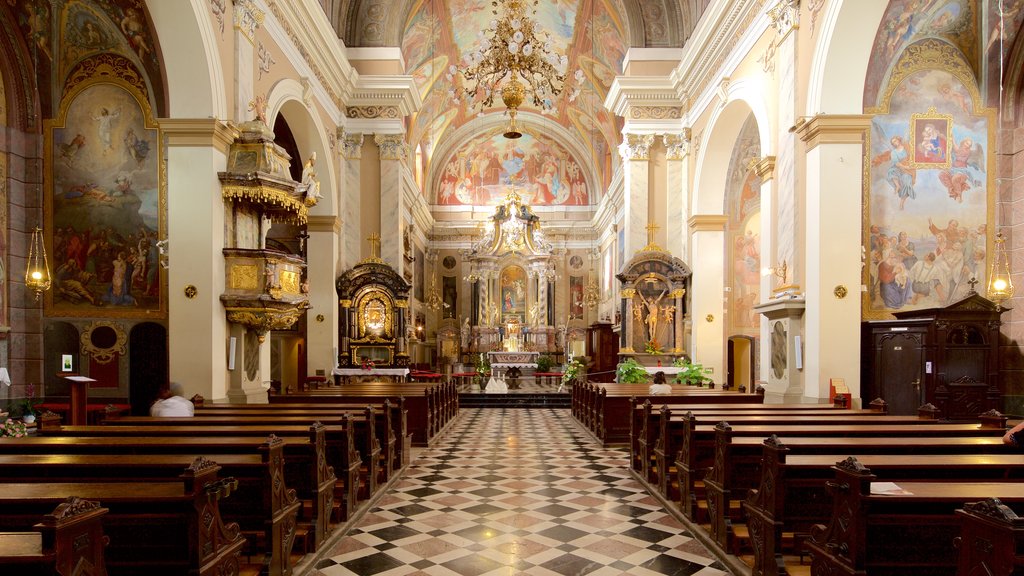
(434, 301)
(513, 52)
(591, 294)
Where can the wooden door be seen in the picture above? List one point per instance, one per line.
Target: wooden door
(898, 371)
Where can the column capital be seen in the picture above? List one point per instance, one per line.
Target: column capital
(323, 224)
(677, 146)
(833, 129)
(351, 145)
(707, 222)
(636, 146)
(198, 132)
(785, 17)
(392, 146)
(247, 18)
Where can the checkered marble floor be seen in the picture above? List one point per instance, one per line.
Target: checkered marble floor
(518, 491)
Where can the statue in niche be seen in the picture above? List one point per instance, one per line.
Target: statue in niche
(310, 184)
(465, 332)
(652, 313)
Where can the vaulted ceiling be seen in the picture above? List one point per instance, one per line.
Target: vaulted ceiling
(436, 35)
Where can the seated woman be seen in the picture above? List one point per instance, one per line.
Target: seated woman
(659, 386)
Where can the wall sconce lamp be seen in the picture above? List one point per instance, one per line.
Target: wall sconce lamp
(37, 268)
(1000, 286)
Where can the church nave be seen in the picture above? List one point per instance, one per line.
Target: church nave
(518, 491)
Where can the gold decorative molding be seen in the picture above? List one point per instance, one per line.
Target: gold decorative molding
(834, 129)
(289, 281)
(262, 321)
(677, 293)
(655, 112)
(266, 195)
(764, 167)
(245, 277)
(628, 293)
(345, 303)
(401, 303)
(707, 222)
(104, 355)
(627, 350)
(370, 112)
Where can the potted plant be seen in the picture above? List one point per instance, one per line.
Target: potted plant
(483, 370)
(573, 370)
(544, 363)
(28, 404)
(631, 372)
(691, 374)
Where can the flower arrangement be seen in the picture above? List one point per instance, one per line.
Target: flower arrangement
(652, 347)
(368, 364)
(631, 372)
(573, 370)
(691, 374)
(483, 366)
(544, 363)
(13, 429)
(29, 403)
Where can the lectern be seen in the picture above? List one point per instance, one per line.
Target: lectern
(78, 413)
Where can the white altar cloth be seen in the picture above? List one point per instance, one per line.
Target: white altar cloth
(496, 385)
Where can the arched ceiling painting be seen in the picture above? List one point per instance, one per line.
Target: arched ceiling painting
(591, 33)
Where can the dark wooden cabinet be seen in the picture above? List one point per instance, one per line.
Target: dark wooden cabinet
(603, 351)
(948, 357)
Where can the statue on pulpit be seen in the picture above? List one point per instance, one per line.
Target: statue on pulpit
(652, 313)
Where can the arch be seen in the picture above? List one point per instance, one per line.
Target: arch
(526, 120)
(17, 78)
(285, 98)
(744, 97)
(148, 366)
(841, 54)
(189, 46)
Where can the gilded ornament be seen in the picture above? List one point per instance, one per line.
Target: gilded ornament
(840, 291)
(289, 281)
(345, 303)
(191, 291)
(710, 318)
(104, 355)
(628, 293)
(245, 277)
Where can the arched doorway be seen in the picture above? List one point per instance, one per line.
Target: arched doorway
(740, 362)
(147, 365)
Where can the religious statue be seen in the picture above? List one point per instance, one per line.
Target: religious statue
(535, 314)
(652, 313)
(465, 333)
(310, 185)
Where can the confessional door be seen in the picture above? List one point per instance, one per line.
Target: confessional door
(898, 366)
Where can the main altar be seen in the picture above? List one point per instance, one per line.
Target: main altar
(512, 274)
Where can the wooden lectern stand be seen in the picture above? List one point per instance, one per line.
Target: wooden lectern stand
(77, 405)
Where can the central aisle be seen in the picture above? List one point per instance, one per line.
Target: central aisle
(519, 491)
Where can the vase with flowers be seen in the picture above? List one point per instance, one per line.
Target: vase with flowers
(29, 403)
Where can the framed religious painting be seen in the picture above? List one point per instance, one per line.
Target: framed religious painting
(105, 204)
(932, 133)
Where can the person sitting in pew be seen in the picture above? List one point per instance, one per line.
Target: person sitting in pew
(1015, 436)
(659, 386)
(171, 401)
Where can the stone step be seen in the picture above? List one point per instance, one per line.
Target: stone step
(514, 400)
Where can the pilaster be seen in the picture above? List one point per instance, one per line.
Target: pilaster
(677, 152)
(635, 151)
(247, 19)
(321, 272)
(393, 153)
(351, 145)
(785, 19)
(707, 307)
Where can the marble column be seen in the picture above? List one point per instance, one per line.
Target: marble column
(247, 19)
(628, 323)
(197, 326)
(834, 179)
(351, 199)
(765, 169)
(393, 154)
(635, 151)
(347, 325)
(677, 151)
(785, 19)
(708, 343)
(321, 318)
(678, 299)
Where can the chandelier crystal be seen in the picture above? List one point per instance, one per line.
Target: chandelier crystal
(514, 53)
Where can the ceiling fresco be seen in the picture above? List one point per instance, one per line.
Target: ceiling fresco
(591, 33)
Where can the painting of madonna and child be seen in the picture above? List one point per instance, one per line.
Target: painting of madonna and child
(480, 173)
(928, 223)
(104, 206)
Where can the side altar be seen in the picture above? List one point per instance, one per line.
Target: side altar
(653, 309)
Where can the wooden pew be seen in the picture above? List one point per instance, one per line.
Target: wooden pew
(306, 460)
(896, 534)
(991, 539)
(730, 476)
(155, 528)
(67, 542)
(263, 505)
(792, 494)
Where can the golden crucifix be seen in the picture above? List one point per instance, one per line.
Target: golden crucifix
(374, 240)
(651, 229)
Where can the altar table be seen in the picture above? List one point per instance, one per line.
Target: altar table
(345, 375)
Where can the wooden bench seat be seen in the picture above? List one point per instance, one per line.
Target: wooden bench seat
(68, 541)
(792, 494)
(897, 534)
(155, 528)
(262, 504)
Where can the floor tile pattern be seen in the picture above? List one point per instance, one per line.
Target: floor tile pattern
(518, 491)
